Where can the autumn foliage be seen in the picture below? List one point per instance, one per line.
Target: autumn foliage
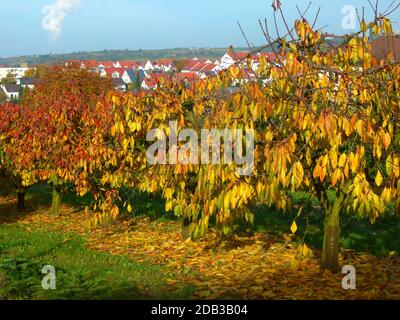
(326, 121)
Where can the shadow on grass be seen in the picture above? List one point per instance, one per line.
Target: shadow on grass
(37, 197)
(357, 233)
(145, 204)
(41, 195)
(8, 203)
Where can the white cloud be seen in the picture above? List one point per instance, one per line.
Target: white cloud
(55, 14)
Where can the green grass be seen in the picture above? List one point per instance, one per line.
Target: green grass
(81, 273)
(357, 234)
(86, 274)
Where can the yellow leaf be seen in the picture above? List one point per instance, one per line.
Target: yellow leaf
(304, 250)
(335, 177)
(379, 179)
(293, 227)
(333, 156)
(386, 140)
(168, 205)
(363, 26)
(342, 160)
(171, 281)
(294, 264)
(113, 131)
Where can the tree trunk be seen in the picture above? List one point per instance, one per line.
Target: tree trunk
(55, 202)
(330, 253)
(186, 231)
(21, 199)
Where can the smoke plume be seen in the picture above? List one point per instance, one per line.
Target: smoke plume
(55, 15)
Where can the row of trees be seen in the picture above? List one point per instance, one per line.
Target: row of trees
(325, 121)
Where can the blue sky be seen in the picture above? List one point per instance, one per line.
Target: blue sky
(149, 24)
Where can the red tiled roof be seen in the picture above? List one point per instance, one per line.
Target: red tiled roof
(208, 67)
(199, 67)
(190, 76)
(164, 62)
(236, 56)
(270, 56)
(73, 62)
(89, 63)
(110, 71)
(192, 63)
(129, 64)
(159, 76)
(150, 82)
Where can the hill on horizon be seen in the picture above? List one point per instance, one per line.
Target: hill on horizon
(114, 55)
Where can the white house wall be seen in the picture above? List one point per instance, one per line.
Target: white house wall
(17, 72)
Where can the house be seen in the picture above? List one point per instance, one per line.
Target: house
(232, 57)
(83, 64)
(12, 91)
(197, 65)
(206, 70)
(190, 64)
(89, 64)
(141, 64)
(149, 84)
(73, 63)
(149, 65)
(129, 64)
(382, 46)
(193, 63)
(119, 84)
(165, 65)
(15, 72)
(203, 68)
(154, 80)
(113, 73)
(102, 65)
(186, 78)
(132, 76)
(27, 82)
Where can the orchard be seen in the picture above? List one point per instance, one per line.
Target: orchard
(324, 120)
